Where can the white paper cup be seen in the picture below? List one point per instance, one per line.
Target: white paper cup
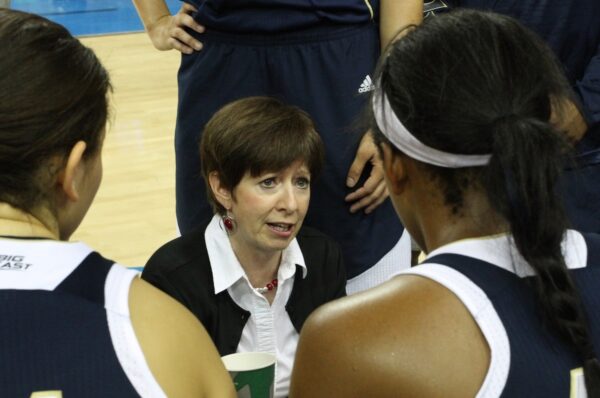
(253, 373)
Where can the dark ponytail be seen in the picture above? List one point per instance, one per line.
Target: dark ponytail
(470, 82)
(526, 154)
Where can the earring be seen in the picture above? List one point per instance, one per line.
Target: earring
(229, 223)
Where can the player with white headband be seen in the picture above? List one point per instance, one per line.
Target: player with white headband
(394, 130)
(505, 303)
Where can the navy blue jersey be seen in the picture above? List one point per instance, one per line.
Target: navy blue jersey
(59, 330)
(269, 16)
(528, 359)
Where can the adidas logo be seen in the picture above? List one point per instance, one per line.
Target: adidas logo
(366, 86)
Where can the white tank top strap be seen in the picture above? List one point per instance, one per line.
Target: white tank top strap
(482, 310)
(127, 347)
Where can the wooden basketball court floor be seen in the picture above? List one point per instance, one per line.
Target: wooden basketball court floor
(134, 210)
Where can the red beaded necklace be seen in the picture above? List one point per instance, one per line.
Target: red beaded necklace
(270, 286)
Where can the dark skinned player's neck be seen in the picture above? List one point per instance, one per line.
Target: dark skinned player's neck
(474, 219)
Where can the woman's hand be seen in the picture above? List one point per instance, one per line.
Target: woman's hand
(374, 191)
(569, 119)
(168, 32)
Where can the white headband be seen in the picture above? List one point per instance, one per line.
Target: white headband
(394, 130)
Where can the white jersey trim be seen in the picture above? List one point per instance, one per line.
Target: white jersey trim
(499, 251)
(38, 264)
(485, 316)
(127, 347)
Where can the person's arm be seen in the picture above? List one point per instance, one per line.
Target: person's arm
(394, 15)
(320, 365)
(374, 191)
(588, 89)
(168, 31)
(409, 337)
(179, 352)
(570, 120)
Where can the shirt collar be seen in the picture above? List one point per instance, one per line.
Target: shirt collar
(226, 268)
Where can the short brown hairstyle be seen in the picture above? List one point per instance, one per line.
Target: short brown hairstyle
(257, 135)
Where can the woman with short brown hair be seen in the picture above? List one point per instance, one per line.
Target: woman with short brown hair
(251, 274)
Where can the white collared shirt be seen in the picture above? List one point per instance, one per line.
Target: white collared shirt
(269, 328)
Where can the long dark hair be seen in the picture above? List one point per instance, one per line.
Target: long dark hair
(53, 93)
(470, 82)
